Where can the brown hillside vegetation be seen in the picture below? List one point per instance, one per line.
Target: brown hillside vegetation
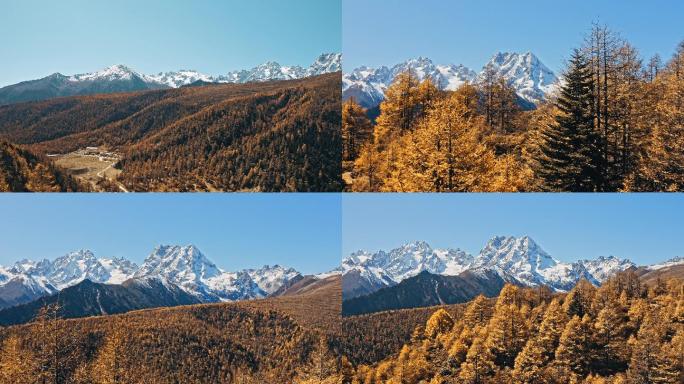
(312, 285)
(282, 340)
(23, 171)
(274, 136)
(368, 338)
(622, 332)
(670, 272)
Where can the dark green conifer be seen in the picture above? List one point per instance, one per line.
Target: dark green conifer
(570, 148)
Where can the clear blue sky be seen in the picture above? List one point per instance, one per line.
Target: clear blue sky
(469, 32)
(40, 37)
(646, 228)
(234, 230)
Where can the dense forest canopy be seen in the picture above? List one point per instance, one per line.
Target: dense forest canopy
(615, 124)
(23, 171)
(291, 339)
(622, 332)
(274, 136)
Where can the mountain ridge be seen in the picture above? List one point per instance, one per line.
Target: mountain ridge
(512, 258)
(531, 79)
(121, 78)
(96, 299)
(185, 267)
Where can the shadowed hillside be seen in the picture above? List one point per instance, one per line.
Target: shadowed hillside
(89, 299)
(23, 171)
(424, 290)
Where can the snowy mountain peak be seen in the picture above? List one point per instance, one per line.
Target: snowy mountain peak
(121, 78)
(531, 79)
(176, 263)
(74, 267)
(113, 73)
(184, 267)
(180, 78)
(516, 259)
(188, 268)
(669, 263)
(270, 278)
(325, 63)
(515, 255)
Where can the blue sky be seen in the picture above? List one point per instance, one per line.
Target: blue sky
(38, 37)
(234, 230)
(469, 32)
(646, 228)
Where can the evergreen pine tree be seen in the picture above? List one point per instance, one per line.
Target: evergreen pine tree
(570, 158)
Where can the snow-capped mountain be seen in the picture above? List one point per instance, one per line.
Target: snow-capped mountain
(179, 78)
(27, 280)
(188, 268)
(120, 78)
(184, 267)
(325, 63)
(117, 72)
(270, 278)
(518, 260)
(669, 263)
(532, 80)
(20, 288)
(75, 267)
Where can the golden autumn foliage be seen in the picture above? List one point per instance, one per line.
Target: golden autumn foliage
(622, 332)
(23, 171)
(293, 339)
(271, 136)
(618, 127)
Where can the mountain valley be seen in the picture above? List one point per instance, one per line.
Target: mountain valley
(261, 136)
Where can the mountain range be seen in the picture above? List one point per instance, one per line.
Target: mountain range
(517, 260)
(532, 80)
(120, 78)
(183, 268)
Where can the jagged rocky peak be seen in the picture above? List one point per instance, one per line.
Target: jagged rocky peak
(530, 78)
(325, 63)
(184, 267)
(176, 262)
(509, 250)
(514, 259)
(115, 72)
(121, 78)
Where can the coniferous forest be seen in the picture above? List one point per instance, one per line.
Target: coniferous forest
(23, 171)
(261, 136)
(289, 339)
(623, 332)
(616, 123)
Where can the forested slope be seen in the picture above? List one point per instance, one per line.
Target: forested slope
(274, 136)
(623, 332)
(23, 171)
(272, 340)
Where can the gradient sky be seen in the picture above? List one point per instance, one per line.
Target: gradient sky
(234, 230)
(469, 32)
(38, 37)
(646, 228)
